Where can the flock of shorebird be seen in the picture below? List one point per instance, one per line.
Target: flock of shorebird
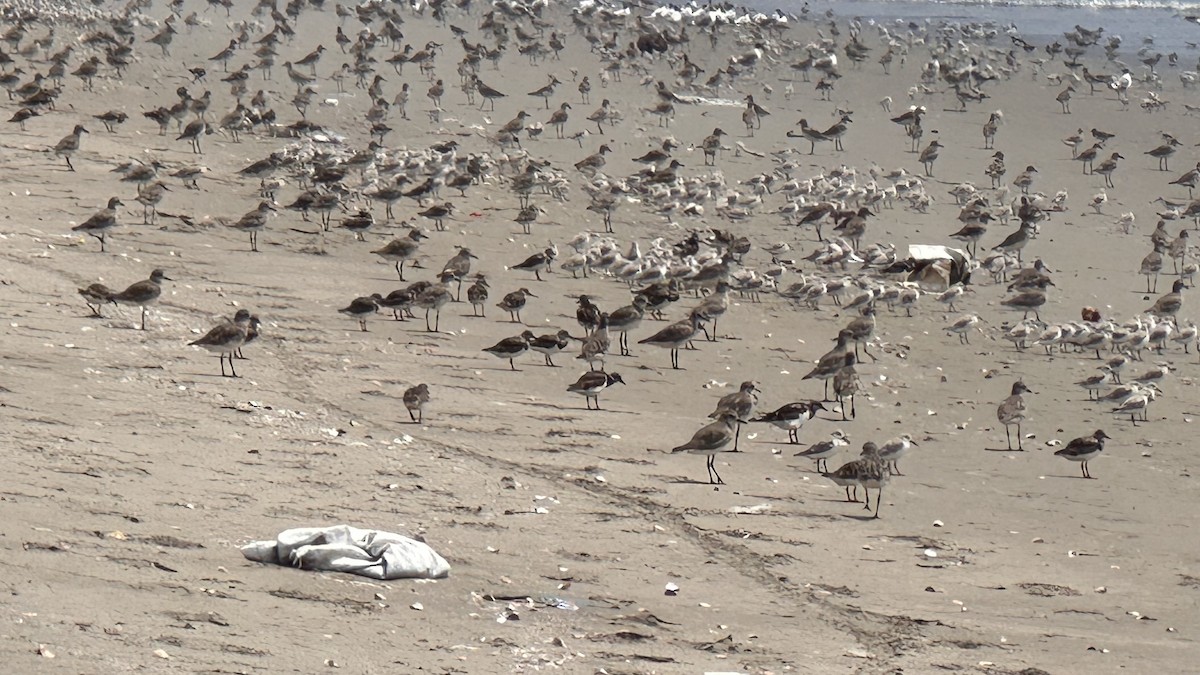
(347, 184)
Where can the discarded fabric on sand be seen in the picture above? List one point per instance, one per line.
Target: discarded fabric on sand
(341, 548)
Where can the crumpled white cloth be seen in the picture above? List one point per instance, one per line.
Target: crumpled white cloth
(341, 548)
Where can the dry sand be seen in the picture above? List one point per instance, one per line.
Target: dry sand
(133, 471)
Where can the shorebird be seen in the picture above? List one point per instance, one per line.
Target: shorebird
(489, 94)
(96, 296)
(538, 262)
(592, 383)
(226, 338)
(359, 223)
(929, 155)
(101, 222)
(433, 298)
(1169, 304)
(149, 197)
(894, 449)
(811, 135)
(1016, 242)
(626, 319)
(792, 417)
(1107, 167)
(1025, 179)
(711, 145)
(1027, 301)
(143, 293)
(458, 267)
(402, 249)
(833, 361)
(547, 91)
(676, 335)
(1163, 153)
(477, 295)
(69, 145)
(514, 302)
(823, 450)
(711, 439)
(962, 327)
(1083, 450)
(193, 132)
(550, 344)
(254, 222)
(1012, 412)
(872, 473)
(415, 399)
(1087, 157)
(112, 119)
(740, 404)
(438, 213)
(511, 347)
(1189, 180)
(362, 307)
(558, 119)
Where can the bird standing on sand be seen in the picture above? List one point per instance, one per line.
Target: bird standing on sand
(1083, 450)
(96, 296)
(69, 145)
(514, 302)
(592, 383)
(402, 249)
(143, 293)
(511, 347)
(792, 417)
(676, 335)
(362, 307)
(741, 404)
(415, 399)
(1012, 412)
(710, 440)
(929, 155)
(254, 222)
(225, 338)
(101, 222)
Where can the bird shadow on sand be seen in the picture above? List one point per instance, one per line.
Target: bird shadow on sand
(863, 517)
(1003, 450)
(1050, 475)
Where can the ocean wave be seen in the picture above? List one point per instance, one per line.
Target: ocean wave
(1182, 6)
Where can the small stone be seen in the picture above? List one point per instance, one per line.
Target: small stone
(162, 654)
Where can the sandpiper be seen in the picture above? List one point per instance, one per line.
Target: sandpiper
(143, 293)
(741, 404)
(676, 335)
(402, 249)
(511, 347)
(538, 262)
(415, 399)
(69, 145)
(514, 302)
(791, 417)
(477, 295)
(96, 296)
(433, 298)
(822, 451)
(362, 307)
(254, 222)
(592, 383)
(1012, 412)
(1083, 450)
(101, 222)
(894, 449)
(225, 338)
(831, 362)
(551, 344)
(712, 439)
(626, 319)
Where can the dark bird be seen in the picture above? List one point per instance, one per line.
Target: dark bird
(592, 383)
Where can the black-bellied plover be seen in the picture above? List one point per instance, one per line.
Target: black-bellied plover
(69, 145)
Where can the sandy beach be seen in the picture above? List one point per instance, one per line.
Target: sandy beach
(578, 541)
